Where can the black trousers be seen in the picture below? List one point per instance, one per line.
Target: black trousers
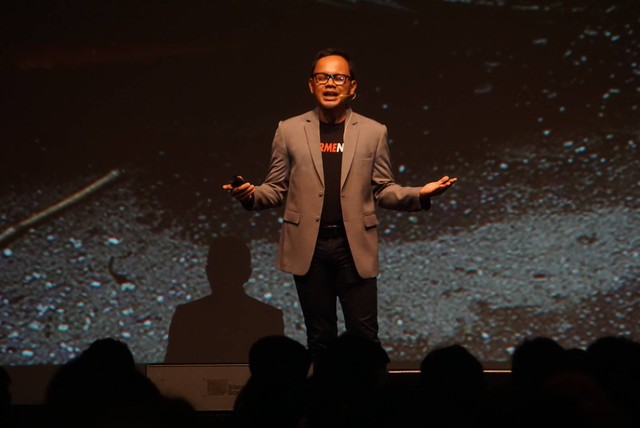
(333, 277)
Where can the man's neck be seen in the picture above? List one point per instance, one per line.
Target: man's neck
(336, 115)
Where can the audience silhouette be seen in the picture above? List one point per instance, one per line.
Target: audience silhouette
(7, 417)
(551, 386)
(452, 389)
(615, 362)
(221, 327)
(347, 386)
(276, 393)
(103, 388)
(534, 361)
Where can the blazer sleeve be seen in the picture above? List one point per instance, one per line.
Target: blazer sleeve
(272, 192)
(387, 193)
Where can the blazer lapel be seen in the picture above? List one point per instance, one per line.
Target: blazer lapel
(351, 132)
(312, 131)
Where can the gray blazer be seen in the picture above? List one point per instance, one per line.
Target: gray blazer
(296, 177)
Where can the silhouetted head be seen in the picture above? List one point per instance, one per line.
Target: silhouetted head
(110, 353)
(615, 355)
(452, 370)
(578, 361)
(276, 393)
(616, 366)
(103, 375)
(228, 262)
(279, 357)
(535, 360)
(352, 361)
(5, 391)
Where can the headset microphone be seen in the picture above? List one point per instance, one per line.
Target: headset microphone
(348, 96)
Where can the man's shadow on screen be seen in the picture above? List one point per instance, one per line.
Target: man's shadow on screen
(221, 327)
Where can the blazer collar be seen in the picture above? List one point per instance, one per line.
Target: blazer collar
(351, 132)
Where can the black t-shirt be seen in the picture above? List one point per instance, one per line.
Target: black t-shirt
(332, 147)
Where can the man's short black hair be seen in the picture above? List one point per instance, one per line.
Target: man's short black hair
(338, 52)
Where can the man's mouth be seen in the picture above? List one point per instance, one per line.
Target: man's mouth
(330, 94)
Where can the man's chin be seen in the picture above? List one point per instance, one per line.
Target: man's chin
(331, 103)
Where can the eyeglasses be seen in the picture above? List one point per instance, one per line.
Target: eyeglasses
(323, 78)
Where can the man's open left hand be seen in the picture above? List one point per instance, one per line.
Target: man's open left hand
(436, 188)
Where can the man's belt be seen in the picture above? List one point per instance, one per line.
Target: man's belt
(331, 231)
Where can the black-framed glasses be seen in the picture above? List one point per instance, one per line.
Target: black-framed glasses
(338, 79)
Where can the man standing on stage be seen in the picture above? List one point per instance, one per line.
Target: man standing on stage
(330, 166)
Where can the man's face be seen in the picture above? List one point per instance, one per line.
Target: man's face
(330, 95)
